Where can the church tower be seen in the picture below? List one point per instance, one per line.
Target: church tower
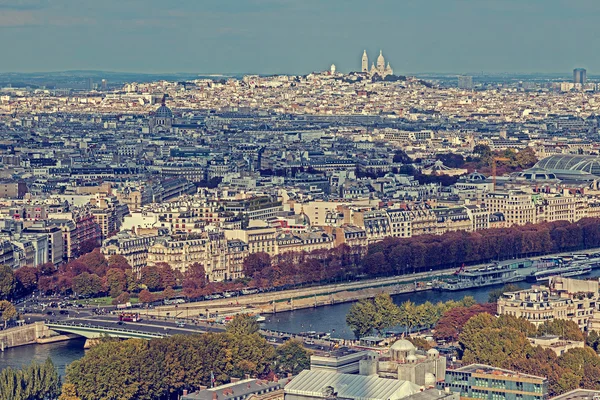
(365, 62)
(380, 63)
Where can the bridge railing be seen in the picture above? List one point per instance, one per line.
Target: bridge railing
(104, 328)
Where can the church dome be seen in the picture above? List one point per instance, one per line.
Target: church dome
(411, 358)
(403, 345)
(163, 112)
(380, 59)
(433, 352)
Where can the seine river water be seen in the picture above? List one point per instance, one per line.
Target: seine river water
(322, 319)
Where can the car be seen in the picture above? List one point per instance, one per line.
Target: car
(180, 324)
(309, 341)
(120, 323)
(272, 340)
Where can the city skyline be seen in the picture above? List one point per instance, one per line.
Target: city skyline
(280, 37)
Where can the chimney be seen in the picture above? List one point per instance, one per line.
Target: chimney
(215, 397)
(185, 392)
(247, 376)
(203, 387)
(289, 375)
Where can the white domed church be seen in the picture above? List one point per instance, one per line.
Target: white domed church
(381, 69)
(406, 363)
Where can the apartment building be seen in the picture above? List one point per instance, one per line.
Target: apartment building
(517, 207)
(564, 298)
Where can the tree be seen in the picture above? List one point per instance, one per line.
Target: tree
(86, 284)
(8, 311)
(145, 296)
(167, 275)
(68, 392)
(124, 370)
(89, 245)
(292, 357)
(567, 330)
(169, 293)
(150, 276)
(407, 315)
(496, 347)
(26, 279)
(361, 318)
(194, 280)
(243, 324)
(7, 281)
(386, 312)
(116, 281)
(118, 261)
(46, 269)
(451, 323)
(122, 298)
(255, 263)
(32, 382)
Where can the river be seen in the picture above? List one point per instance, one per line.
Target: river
(330, 319)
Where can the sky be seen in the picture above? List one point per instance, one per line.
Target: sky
(299, 36)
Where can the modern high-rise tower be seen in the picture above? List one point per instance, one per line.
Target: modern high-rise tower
(365, 62)
(465, 82)
(579, 76)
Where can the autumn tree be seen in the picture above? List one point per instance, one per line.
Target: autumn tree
(118, 261)
(26, 279)
(451, 323)
(168, 277)
(145, 296)
(169, 293)
(7, 281)
(122, 298)
(150, 277)
(194, 280)
(256, 262)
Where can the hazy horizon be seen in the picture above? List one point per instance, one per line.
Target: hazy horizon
(297, 37)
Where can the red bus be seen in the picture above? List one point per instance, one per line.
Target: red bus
(129, 317)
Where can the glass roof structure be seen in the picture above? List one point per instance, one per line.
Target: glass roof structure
(568, 162)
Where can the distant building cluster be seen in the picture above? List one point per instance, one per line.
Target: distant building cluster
(211, 171)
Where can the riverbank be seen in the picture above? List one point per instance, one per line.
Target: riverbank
(314, 296)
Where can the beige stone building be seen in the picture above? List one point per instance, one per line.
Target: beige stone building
(556, 344)
(517, 207)
(259, 236)
(132, 245)
(564, 298)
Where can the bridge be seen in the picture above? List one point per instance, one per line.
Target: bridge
(91, 331)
